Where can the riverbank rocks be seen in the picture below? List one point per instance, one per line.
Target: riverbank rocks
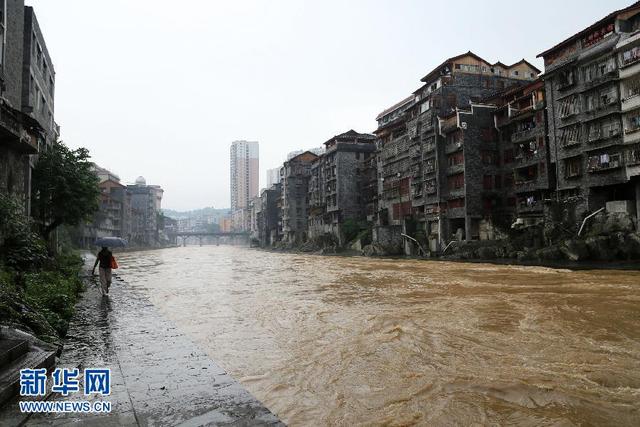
(599, 249)
(574, 250)
(550, 253)
(632, 245)
(374, 249)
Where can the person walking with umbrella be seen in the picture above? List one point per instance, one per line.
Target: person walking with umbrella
(106, 261)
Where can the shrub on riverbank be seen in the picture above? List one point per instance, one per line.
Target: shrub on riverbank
(41, 302)
(37, 292)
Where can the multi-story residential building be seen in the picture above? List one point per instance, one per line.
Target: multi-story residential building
(244, 165)
(268, 215)
(273, 176)
(146, 201)
(21, 134)
(294, 179)
(591, 84)
(38, 77)
(114, 215)
(527, 175)
(424, 176)
(336, 184)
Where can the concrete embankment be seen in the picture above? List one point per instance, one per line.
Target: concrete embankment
(158, 375)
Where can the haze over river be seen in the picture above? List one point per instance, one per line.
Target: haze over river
(361, 341)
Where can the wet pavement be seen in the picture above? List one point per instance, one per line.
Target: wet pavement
(158, 375)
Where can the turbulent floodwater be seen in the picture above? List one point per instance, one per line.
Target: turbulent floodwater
(358, 341)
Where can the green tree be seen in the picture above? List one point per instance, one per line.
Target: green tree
(64, 187)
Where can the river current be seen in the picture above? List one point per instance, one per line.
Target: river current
(361, 341)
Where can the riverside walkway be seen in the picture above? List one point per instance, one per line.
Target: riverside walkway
(158, 375)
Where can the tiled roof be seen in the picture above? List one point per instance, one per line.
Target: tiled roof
(589, 28)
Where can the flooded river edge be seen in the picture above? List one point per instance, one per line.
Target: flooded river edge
(351, 340)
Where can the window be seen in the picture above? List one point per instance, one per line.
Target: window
(508, 156)
(598, 69)
(489, 157)
(456, 158)
(604, 161)
(631, 88)
(570, 136)
(487, 134)
(630, 56)
(487, 182)
(573, 167)
(566, 79)
(569, 107)
(456, 182)
(456, 203)
(632, 122)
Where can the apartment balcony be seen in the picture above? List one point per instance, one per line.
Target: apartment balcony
(632, 157)
(529, 157)
(456, 212)
(524, 135)
(601, 164)
(430, 146)
(631, 135)
(455, 193)
(599, 136)
(629, 69)
(631, 102)
(611, 107)
(540, 105)
(528, 185)
(13, 134)
(570, 114)
(611, 75)
(452, 147)
(449, 124)
(454, 169)
(430, 189)
(530, 208)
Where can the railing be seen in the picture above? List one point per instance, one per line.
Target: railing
(451, 147)
(524, 134)
(527, 185)
(596, 164)
(527, 157)
(453, 169)
(600, 134)
(633, 157)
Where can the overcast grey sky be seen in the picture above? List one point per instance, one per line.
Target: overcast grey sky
(161, 88)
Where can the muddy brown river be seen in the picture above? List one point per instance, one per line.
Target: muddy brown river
(358, 341)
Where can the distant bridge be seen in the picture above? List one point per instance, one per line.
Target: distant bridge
(235, 236)
(206, 233)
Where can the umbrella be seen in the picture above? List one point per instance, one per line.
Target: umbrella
(114, 242)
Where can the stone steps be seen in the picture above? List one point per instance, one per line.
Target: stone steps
(17, 354)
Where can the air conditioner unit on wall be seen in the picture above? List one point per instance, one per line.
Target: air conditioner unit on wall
(463, 125)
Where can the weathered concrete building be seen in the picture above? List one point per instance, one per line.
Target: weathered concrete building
(38, 77)
(21, 133)
(114, 216)
(294, 201)
(146, 202)
(268, 215)
(592, 83)
(425, 175)
(337, 182)
(527, 174)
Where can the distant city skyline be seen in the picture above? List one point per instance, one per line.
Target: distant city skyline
(282, 79)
